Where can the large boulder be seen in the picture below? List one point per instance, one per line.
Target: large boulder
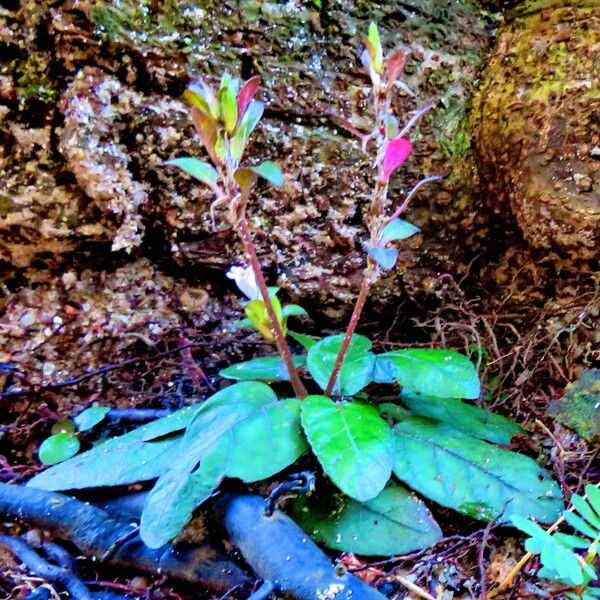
(535, 123)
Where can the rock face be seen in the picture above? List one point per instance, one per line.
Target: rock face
(90, 109)
(535, 123)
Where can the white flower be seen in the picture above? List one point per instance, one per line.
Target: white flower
(245, 280)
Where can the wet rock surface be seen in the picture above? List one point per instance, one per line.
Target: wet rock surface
(535, 123)
(103, 82)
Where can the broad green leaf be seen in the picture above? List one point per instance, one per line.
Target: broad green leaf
(243, 431)
(57, 448)
(472, 476)
(385, 257)
(398, 230)
(306, 341)
(90, 417)
(394, 522)
(142, 454)
(470, 419)
(196, 168)
(357, 368)
(579, 408)
(441, 373)
(354, 445)
(267, 368)
(269, 171)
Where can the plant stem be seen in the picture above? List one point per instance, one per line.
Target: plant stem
(358, 308)
(280, 341)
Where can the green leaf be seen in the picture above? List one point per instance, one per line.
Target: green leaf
(306, 341)
(267, 368)
(196, 168)
(243, 324)
(585, 510)
(391, 127)
(472, 476)
(357, 368)
(442, 373)
(472, 420)
(294, 310)
(577, 523)
(57, 448)
(354, 445)
(142, 454)
(593, 494)
(270, 171)
(385, 257)
(579, 408)
(90, 417)
(398, 230)
(228, 106)
(243, 431)
(394, 522)
(247, 125)
(375, 48)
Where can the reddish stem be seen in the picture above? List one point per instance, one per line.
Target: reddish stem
(280, 341)
(358, 308)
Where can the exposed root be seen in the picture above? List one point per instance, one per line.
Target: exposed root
(96, 534)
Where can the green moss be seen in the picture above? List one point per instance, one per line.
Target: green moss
(33, 81)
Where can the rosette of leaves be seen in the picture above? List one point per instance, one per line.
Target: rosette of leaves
(569, 558)
(442, 448)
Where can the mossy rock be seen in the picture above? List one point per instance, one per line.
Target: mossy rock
(535, 123)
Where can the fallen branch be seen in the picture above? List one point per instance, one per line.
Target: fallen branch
(97, 534)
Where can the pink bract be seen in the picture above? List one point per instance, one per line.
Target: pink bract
(396, 152)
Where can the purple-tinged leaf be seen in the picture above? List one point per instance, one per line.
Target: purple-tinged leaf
(206, 128)
(246, 95)
(396, 152)
(271, 172)
(397, 230)
(385, 257)
(394, 67)
(196, 168)
(203, 97)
